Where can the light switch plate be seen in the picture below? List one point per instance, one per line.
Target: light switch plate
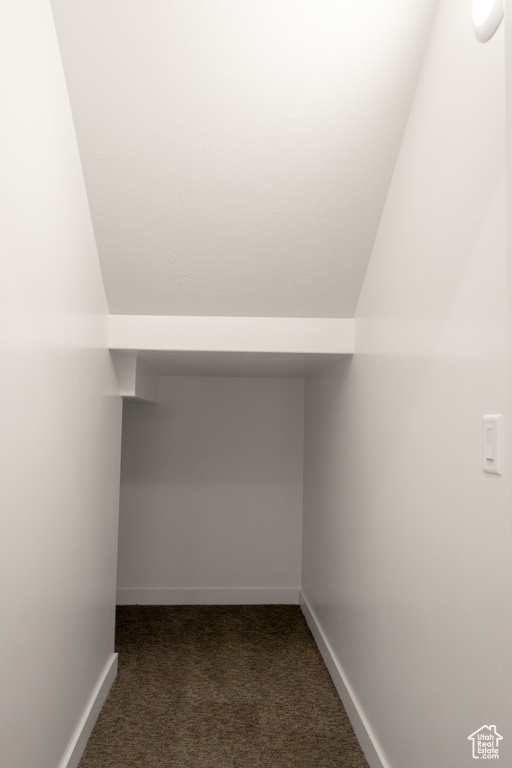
(493, 444)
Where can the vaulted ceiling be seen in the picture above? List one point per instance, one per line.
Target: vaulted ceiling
(237, 153)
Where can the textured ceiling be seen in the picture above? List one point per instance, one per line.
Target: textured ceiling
(237, 153)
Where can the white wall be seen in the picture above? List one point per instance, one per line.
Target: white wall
(60, 427)
(233, 149)
(407, 545)
(211, 492)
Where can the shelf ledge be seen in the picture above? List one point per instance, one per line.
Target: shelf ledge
(281, 335)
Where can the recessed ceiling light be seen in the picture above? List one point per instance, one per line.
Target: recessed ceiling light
(487, 15)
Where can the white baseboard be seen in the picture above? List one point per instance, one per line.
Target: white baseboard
(90, 714)
(207, 596)
(367, 739)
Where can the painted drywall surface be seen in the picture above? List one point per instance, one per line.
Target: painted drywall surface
(60, 428)
(276, 335)
(211, 485)
(237, 154)
(407, 545)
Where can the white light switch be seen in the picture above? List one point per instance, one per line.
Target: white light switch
(489, 442)
(493, 450)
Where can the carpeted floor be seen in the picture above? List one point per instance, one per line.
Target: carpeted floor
(220, 687)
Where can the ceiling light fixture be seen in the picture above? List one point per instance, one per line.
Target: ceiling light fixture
(487, 15)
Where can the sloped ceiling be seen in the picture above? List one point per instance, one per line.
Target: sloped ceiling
(237, 153)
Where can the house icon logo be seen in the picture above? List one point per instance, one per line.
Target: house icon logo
(485, 743)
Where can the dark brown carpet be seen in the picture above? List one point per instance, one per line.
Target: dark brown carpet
(220, 687)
